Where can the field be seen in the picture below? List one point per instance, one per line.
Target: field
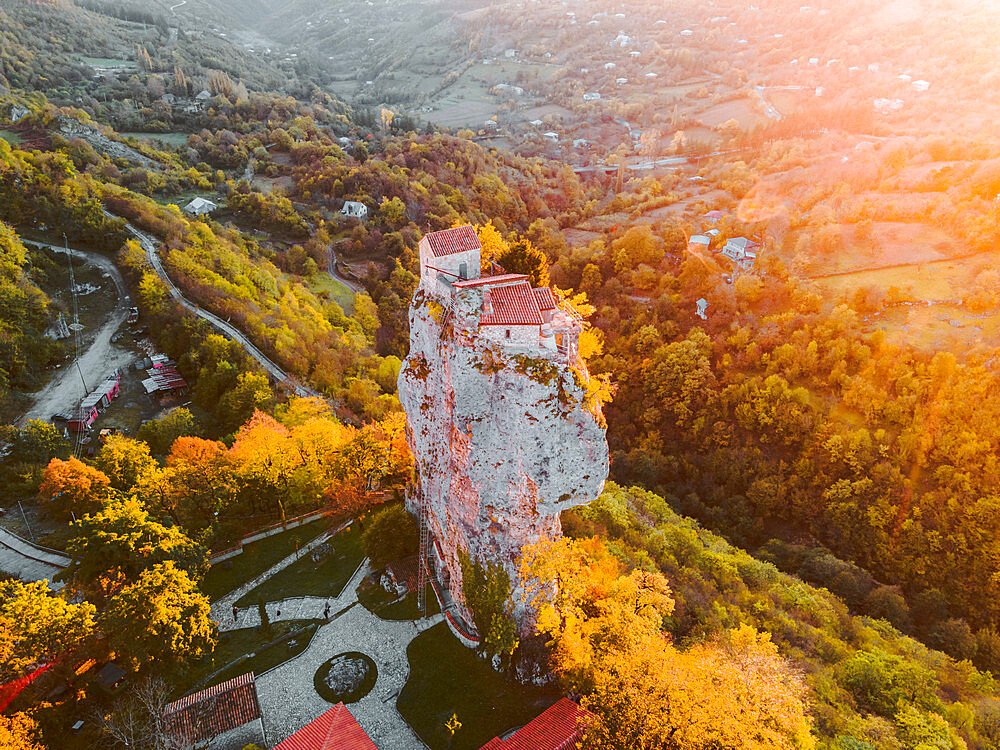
(173, 140)
(12, 138)
(907, 318)
(338, 290)
(738, 109)
(889, 244)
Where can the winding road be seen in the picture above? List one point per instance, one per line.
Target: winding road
(149, 245)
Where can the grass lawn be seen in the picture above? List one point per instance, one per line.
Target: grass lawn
(341, 293)
(12, 138)
(236, 643)
(258, 557)
(169, 139)
(306, 578)
(446, 678)
(380, 603)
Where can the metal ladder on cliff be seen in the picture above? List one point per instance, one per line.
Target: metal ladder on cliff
(422, 558)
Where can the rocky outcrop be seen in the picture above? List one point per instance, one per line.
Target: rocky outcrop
(103, 144)
(503, 438)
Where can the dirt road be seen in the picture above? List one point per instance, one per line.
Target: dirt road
(66, 388)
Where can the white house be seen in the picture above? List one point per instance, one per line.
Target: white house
(354, 210)
(742, 251)
(591, 96)
(699, 242)
(200, 207)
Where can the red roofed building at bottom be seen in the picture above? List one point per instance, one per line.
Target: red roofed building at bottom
(556, 728)
(336, 729)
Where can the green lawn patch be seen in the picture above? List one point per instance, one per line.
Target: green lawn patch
(236, 643)
(168, 139)
(382, 604)
(11, 137)
(258, 557)
(307, 578)
(339, 291)
(446, 678)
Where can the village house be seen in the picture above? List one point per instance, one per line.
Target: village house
(200, 207)
(503, 308)
(354, 210)
(699, 242)
(742, 251)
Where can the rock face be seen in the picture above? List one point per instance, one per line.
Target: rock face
(502, 435)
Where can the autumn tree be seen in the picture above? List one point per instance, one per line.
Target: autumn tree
(125, 461)
(160, 617)
(113, 547)
(38, 626)
(72, 486)
(605, 630)
(18, 732)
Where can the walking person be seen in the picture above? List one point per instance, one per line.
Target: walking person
(235, 611)
(326, 612)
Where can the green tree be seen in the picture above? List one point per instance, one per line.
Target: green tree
(36, 444)
(251, 392)
(161, 433)
(37, 626)
(880, 682)
(160, 617)
(486, 587)
(390, 535)
(523, 257)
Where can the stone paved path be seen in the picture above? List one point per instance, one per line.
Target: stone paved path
(288, 700)
(222, 609)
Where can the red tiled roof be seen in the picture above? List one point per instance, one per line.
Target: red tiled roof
(504, 278)
(546, 299)
(210, 712)
(336, 729)
(451, 241)
(556, 728)
(514, 305)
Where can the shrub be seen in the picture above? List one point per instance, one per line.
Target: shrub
(391, 535)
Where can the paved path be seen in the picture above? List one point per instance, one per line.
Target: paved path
(222, 609)
(65, 390)
(150, 245)
(288, 699)
(20, 558)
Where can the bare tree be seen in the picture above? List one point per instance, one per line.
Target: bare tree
(136, 719)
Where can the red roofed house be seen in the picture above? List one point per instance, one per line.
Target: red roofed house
(334, 730)
(219, 714)
(450, 256)
(504, 308)
(556, 728)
